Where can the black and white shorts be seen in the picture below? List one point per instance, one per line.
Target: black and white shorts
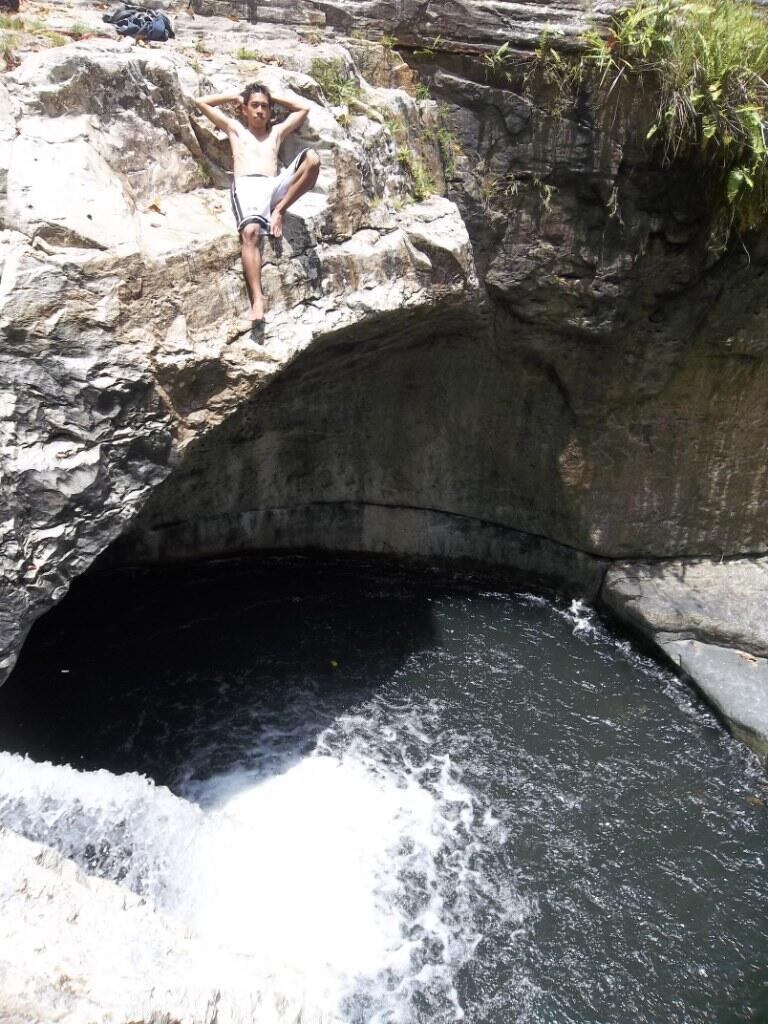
(254, 195)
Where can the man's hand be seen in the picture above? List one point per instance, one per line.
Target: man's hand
(207, 105)
(220, 98)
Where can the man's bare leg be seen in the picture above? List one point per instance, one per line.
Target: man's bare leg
(250, 251)
(303, 180)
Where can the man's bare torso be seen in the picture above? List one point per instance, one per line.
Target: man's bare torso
(254, 156)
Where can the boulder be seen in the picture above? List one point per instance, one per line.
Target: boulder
(711, 620)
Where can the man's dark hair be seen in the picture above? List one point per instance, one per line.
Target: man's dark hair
(249, 90)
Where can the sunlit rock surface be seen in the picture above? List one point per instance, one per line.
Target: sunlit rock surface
(76, 949)
(609, 403)
(604, 400)
(122, 291)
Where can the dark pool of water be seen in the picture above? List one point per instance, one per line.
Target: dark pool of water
(602, 841)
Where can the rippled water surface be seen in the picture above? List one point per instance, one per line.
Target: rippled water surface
(435, 800)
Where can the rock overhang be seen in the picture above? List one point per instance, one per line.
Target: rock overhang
(121, 293)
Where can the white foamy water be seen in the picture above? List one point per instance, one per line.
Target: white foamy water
(330, 875)
(401, 811)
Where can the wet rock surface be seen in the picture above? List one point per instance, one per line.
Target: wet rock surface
(711, 620)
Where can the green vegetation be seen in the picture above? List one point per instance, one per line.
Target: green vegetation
(545, 191)
(26, 32)
(200, 47)
(310, 35)
(443, 136)
(422, 184)
(702, 68)
(337, 85)
(77, 30)
(245, 54)
(498, 63)
(421, 91)
(448, 145)
(428, 51)
(7, 52)
(396, 127)
(707, 64)
(497, 190)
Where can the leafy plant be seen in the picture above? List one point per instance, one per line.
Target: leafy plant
(421, 91)
(553, 68)
(12, 22)
(706, 64)
(428, 51)
(205, 173)
(498, 63)
(422, 183)
(311, 36)
(497, 190)
(245, 54)
(8, 53)
(77, 30)
(544, 190)
(449, 148)
(200, 47)
(337, 85)
(396, 127)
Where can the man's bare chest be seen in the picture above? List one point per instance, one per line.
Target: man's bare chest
(266, 147)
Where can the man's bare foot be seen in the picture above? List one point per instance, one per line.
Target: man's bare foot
(276, 224)
(257, 308)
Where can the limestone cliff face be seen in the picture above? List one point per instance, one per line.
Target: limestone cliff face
(121, 284)
(602, 395)
(611, 401)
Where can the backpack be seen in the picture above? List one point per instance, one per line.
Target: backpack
(141, 22)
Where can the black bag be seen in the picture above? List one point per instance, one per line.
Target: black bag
(141, 22)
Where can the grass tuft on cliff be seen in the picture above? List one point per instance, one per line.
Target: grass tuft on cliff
(705, 62)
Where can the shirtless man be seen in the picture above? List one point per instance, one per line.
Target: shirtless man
(261, 195)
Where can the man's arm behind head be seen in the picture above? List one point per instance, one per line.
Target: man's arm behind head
(208, 105)
(297, 108)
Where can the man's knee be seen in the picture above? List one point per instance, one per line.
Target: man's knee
(312, 159)
(251, 233)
